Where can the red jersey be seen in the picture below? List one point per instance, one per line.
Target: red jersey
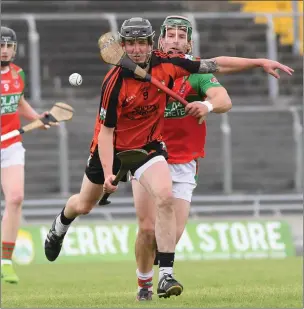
(12, 88)
(184, 137)
(134, 107)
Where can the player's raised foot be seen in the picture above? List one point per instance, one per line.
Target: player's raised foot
(8, 274)
(144, 294)
(168, 286)
(53, 244)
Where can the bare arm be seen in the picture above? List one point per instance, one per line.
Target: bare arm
(226, 65)
(106, 149)
(218, 102)
(26, 111)
(220, 99)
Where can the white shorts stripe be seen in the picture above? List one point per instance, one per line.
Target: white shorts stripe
(144, 167)
(12, 155)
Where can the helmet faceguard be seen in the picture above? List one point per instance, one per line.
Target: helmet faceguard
(8, 38)
(136, 29)
(176, 23)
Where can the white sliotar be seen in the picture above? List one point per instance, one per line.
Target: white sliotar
(75, 79)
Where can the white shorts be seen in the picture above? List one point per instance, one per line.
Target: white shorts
(144, 167)
(12, 155)
(184, 179)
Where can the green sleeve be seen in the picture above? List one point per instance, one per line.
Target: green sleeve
(22, 75)
(202, 82)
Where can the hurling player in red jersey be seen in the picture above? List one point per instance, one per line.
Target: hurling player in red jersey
(185, 141)
(13, 105)
(131, 115)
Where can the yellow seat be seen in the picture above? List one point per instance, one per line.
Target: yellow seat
(300, 8)
(282, 25)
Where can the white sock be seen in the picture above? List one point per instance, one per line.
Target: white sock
(165, 270)
(60, 228)
(145, 276)
(5, 262)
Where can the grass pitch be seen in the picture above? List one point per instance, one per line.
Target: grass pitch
(234, 284)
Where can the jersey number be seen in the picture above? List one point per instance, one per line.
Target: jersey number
(6, 87)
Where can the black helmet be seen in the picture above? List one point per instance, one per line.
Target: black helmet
(136, 27)
(8, 36)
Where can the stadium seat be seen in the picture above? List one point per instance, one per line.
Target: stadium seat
(282, 25)
(67, 47)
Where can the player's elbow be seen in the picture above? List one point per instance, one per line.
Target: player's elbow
(223, 101)
(227, 104)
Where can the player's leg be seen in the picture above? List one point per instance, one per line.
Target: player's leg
(182, 208)
(155, 177)
(12, 182)
(184, 177)
(145, 244)
(78, 204)
(184, 182)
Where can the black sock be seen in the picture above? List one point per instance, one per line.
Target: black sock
(64, 220)
(166, 259)
(156, 260)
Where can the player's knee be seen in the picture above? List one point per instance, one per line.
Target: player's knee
(146, 234)
(146, 228)
(165, 199)
(15, 199)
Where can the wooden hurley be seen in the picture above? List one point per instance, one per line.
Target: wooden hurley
(58, 113)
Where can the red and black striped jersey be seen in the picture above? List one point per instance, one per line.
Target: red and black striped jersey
(134, 107)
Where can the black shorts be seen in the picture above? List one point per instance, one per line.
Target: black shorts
(94, 170)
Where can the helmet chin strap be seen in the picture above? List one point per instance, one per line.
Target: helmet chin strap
(145, 64)
(5, 63)
(170, 52)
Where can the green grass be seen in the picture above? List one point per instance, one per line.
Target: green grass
(234, 284)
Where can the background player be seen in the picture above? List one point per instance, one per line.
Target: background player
(13, 105)
(185, 141)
